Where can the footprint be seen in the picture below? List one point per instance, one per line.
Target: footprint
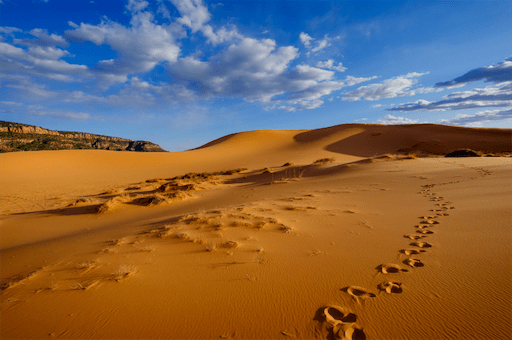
(335, 315)
(423, 226)
(390, 268)
(391, 287)
(414, 237)
(358, 292)
(415, 263)
(421, 244)
(424, 231)
(429, 222)
(427, 217)
(343, 324)
(411, 251)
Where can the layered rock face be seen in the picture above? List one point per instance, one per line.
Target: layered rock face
(21, 137)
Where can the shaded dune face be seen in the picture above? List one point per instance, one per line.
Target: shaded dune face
(336, 233)
(369, 140)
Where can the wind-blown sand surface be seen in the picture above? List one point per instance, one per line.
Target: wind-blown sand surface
(119, 245)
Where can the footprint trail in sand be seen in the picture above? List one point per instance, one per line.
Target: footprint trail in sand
(335, 316)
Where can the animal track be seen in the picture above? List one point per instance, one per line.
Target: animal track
(415, 263)
(391, 287)
(390, 268)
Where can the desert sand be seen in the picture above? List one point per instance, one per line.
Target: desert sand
(349, 232)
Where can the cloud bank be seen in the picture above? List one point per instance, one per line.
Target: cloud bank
(498, 95)
(255, 70)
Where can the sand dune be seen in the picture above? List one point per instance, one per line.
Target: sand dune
(252, 237)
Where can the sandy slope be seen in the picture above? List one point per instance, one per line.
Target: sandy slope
(355, 248)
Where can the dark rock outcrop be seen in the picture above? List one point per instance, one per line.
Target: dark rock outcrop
(463, 153)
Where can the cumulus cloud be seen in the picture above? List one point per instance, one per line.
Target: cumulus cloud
(498, 73)
(145, 43)
(350, 80)
(329, 64)
(136, 6)
(389, 88)
(9, 30)
(195, 15)
(256, 70)
(305, 39)
(38, 61)
(44, 39)
(140, 47)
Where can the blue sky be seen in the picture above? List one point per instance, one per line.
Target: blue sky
(181, 73)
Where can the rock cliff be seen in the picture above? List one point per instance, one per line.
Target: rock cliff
(22, 137)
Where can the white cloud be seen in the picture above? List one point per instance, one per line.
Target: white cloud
(305, 39)
(140, 47)
(350, 81)
(137, 93)
(38, 110)
(498, 73)
(302, 105)
(389, 88)
(246, 68)
(256, 70)
(329, 64)
(479, 118)
(9, 30)
(43, 39)
(136, 6)
(497, 95)
(376, 105)
(490, 96)
(8, 103)
(392, 120)
(38, 61)
(47, 52)
(195, 15)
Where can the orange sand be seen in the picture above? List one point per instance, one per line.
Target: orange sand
(351, 248)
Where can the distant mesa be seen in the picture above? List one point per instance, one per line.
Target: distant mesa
(22, 137)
